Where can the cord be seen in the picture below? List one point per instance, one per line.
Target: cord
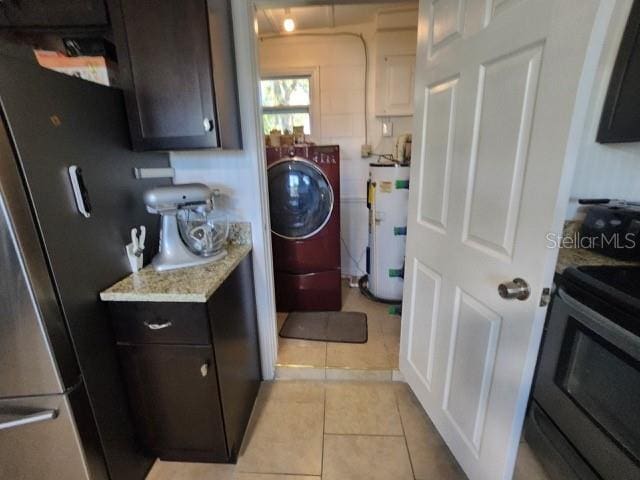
(366, 64)
(363, 284)
(353, 259)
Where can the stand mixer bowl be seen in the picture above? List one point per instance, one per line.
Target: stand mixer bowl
(203, 230)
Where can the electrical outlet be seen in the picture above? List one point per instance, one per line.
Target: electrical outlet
(365, 151)
(387, 128)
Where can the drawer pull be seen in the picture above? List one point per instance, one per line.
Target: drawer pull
(157, 326)
(204, 369)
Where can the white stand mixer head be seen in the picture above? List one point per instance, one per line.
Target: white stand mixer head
(170, 198)
(166, 201)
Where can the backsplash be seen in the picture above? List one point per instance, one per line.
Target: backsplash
(240, 233)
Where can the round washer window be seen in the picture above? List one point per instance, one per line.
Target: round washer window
(300, 198)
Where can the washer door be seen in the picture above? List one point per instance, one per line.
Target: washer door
(300, 198)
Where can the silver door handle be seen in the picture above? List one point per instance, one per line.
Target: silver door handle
(20, 420)
(517, 288)
(157, 326)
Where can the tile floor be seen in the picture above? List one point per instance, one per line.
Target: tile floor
(310, 430)
(374, 360)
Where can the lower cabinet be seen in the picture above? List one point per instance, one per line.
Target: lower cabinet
(174, 398)
(192, 370)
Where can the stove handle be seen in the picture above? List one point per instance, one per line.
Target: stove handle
(594, 201)
(602, 326)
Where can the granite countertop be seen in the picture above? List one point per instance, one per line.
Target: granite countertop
(191, 284)
(578, 257)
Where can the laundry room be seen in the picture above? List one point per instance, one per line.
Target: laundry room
(337, 112)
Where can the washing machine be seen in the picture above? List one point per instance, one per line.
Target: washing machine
(304, 204)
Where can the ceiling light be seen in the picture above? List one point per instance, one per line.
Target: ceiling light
(288, 24)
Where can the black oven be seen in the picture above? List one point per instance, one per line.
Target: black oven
(585, 416)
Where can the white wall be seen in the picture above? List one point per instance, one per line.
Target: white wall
(239, 178)
(612, 170)
(340, 120)
(231, 172)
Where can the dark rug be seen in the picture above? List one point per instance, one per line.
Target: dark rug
(343, 327)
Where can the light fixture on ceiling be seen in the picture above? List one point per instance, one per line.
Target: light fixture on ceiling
(288, 24)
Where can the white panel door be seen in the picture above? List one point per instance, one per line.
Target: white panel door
(500, 96)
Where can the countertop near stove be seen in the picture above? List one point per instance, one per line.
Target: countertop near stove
(192, 284)
(578, 257)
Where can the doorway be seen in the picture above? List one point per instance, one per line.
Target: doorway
(341, 78)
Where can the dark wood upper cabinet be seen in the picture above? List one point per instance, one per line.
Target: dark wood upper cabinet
(620, 120)
(52, 13)
(176, 63)
(177, 69)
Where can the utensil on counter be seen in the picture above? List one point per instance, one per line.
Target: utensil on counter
(135, 249)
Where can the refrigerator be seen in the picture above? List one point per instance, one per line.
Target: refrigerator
(63, 408)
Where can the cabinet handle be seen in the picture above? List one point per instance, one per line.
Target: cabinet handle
(157, 326)
(204, 369)
(208, 124)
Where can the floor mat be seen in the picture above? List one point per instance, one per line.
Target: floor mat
(342, 327)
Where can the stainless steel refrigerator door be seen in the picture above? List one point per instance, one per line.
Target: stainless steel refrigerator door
(39, 440)
(27, 365)
(57, 121)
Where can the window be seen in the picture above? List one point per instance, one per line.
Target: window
(286, 103)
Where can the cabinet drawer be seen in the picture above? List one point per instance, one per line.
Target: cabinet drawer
(160, 322)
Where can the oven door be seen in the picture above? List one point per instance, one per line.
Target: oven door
(589, 385)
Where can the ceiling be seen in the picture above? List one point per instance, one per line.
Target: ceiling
(324, 16)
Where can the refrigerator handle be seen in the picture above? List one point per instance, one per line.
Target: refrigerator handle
(80, 191)
(20, 420)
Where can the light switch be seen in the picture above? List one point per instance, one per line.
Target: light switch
(387, 128)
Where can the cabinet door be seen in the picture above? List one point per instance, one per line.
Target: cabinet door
(52, 13)
(224, 74)
(168, 77)
(395, 89)
(620, 120)
(235, 337)
(173, 394)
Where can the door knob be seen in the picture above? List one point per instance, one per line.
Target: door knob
(518, 289)
(204, 369)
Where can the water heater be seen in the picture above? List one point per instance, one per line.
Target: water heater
(387, 200)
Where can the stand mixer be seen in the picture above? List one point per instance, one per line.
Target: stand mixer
(190, 235)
